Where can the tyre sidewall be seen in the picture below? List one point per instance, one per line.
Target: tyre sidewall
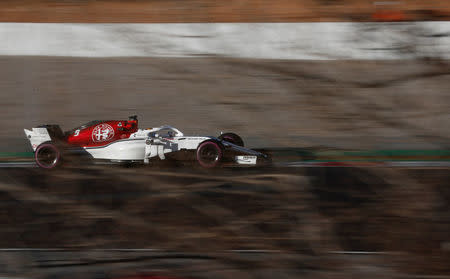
(217, 146)
(54, 148)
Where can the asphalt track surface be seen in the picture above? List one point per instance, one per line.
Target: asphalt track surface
(299, 164)
(356, 105)
(114, 263)
(292, 158)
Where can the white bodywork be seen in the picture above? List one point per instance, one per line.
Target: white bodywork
(146, 144)
(125, 150)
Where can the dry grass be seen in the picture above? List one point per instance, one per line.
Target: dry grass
(298, 216)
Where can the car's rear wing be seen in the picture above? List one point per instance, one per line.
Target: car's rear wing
(43, 133)
(36, 136)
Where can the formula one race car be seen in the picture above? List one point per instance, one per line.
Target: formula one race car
(122, 141)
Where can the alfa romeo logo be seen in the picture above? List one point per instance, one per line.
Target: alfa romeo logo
(102, 132)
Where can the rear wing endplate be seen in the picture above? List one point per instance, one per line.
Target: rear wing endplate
(36, 136)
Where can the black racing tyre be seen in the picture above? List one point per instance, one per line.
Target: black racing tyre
(47, 156)
(209, 154)
(233, 138)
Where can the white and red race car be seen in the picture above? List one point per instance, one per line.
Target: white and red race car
(122, 141)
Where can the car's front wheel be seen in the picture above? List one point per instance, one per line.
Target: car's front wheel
(209, 154)
(47, 156)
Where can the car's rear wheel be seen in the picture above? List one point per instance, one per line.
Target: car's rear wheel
(233, 138)
(209, 154)
(47, 156)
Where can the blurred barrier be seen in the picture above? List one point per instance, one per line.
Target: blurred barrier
(304, 41)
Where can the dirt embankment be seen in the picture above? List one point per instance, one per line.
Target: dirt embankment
(220, 11)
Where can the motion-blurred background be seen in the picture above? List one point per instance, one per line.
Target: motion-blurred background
(333, 75)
